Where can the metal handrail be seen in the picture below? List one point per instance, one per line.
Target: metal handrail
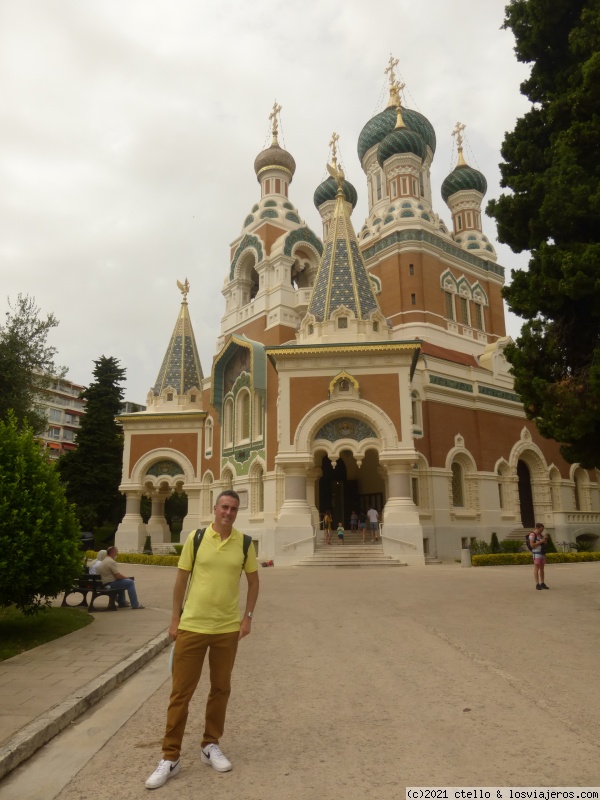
(300, 541)
(400, 541)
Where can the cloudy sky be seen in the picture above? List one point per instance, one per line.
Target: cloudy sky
(128, 131)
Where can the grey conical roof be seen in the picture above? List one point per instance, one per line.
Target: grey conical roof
(342, 278)
(181, 366)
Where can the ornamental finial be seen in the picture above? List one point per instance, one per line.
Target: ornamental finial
(457, 132)
(184, 288)
(273, 117)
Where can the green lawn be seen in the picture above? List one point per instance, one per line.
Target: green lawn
(19, 633)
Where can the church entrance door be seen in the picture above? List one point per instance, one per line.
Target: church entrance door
(346, 487)
(525, 495)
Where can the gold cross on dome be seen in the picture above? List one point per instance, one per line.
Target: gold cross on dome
(273, 118)
(458, 129)
(389, 70)
(333, 144)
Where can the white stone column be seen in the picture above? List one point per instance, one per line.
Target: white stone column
(294, 529)
(312, 475)
(131, 532)
(402, 531)
(158, 528)
(193, 518)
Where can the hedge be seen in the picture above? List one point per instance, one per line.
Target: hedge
(504, 559)
(140, 558)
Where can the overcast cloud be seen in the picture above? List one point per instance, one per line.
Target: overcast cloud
(128, 131)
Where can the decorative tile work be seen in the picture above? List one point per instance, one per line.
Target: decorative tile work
(499, 394)
(463, 178)
(389, 218)
(181, 367)
(288, 205)
(473, 246)
(328, 191)
(166, 467)
(426, 217)
(242, 467)
(248, 220)
(425, 236)
(270, 204)
(292, 217)
(247, 241)
(383, 123)
(255, 208)
(463, 387)
(346, 428)
(407, 214)
(301, 235)
(269, 214)
(406, 205)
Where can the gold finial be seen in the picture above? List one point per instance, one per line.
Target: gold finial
(395, 86)
(458, 129)
(273, 118)
(397, 89)
(333, 144)
(184, 288)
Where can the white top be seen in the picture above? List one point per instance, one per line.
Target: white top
(372, 515)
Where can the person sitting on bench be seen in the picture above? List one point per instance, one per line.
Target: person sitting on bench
(95, 565)
(113, 578)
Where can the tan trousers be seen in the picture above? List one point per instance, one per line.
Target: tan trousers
(188, 658)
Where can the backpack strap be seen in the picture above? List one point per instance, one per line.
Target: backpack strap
(198, 536)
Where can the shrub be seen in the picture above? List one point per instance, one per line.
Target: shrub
(504, 559)
(512, 545)
(550, 548)
(479, 547)
(39, 532)
(141, 558)
(494, 543)
(178, 548)
(147, 546)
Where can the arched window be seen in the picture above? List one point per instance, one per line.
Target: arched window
(207, 495)
(228, 423)
(258, 416)
(582, 490)
(243, 416)
(208, 436)
(458, 490)
(226, 480)
(258, 491)
(449, 305)
(417, 418)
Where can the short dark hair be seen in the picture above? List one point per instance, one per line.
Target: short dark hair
(539, 525)
(227, 493)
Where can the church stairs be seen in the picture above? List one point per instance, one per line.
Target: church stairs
(353, 553)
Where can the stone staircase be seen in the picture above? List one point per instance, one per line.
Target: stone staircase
(353, 553)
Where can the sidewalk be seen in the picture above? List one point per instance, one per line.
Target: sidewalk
(45, 689)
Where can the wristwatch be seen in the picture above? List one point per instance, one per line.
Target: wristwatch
(249, 614)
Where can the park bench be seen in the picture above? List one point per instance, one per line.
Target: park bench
(91, 584)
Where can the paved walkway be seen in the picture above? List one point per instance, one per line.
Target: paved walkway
(357, 681)
(45, 689)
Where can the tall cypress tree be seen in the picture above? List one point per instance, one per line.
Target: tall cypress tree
(552, 166)
(92, 473)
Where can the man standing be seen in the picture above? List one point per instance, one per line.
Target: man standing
(210, 621)
(373, 523)
(537, 543)
(112, 576)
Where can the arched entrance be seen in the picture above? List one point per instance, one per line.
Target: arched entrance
(346, 487)
(525, 495)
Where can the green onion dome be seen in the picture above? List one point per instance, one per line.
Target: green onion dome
(328, 191)
(383, 123)
(463, 178)
(274, 156)
(401, 140)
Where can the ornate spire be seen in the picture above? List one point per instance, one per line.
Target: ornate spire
(458, 129)
(399, 120)
(342, 279)
(181, 367)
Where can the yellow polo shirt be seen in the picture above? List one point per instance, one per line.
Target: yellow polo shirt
(212, 604)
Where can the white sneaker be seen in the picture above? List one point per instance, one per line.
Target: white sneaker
(211, 754)
(162, 773)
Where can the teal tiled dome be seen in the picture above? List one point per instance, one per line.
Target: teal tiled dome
(383, 123)
(463, 178)
(401, 140)
(328, 190)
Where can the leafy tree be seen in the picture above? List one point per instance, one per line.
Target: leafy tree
(92, 473)
(495, 544)
(39, 532)
(26, 360)
(552, 168)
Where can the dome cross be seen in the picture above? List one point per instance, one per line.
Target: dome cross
(333, 145)
(273, 117)
(457, 132)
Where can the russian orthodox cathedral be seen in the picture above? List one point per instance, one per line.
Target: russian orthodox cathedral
(361, 368)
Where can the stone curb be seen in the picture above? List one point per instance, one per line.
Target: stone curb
(34, 735)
